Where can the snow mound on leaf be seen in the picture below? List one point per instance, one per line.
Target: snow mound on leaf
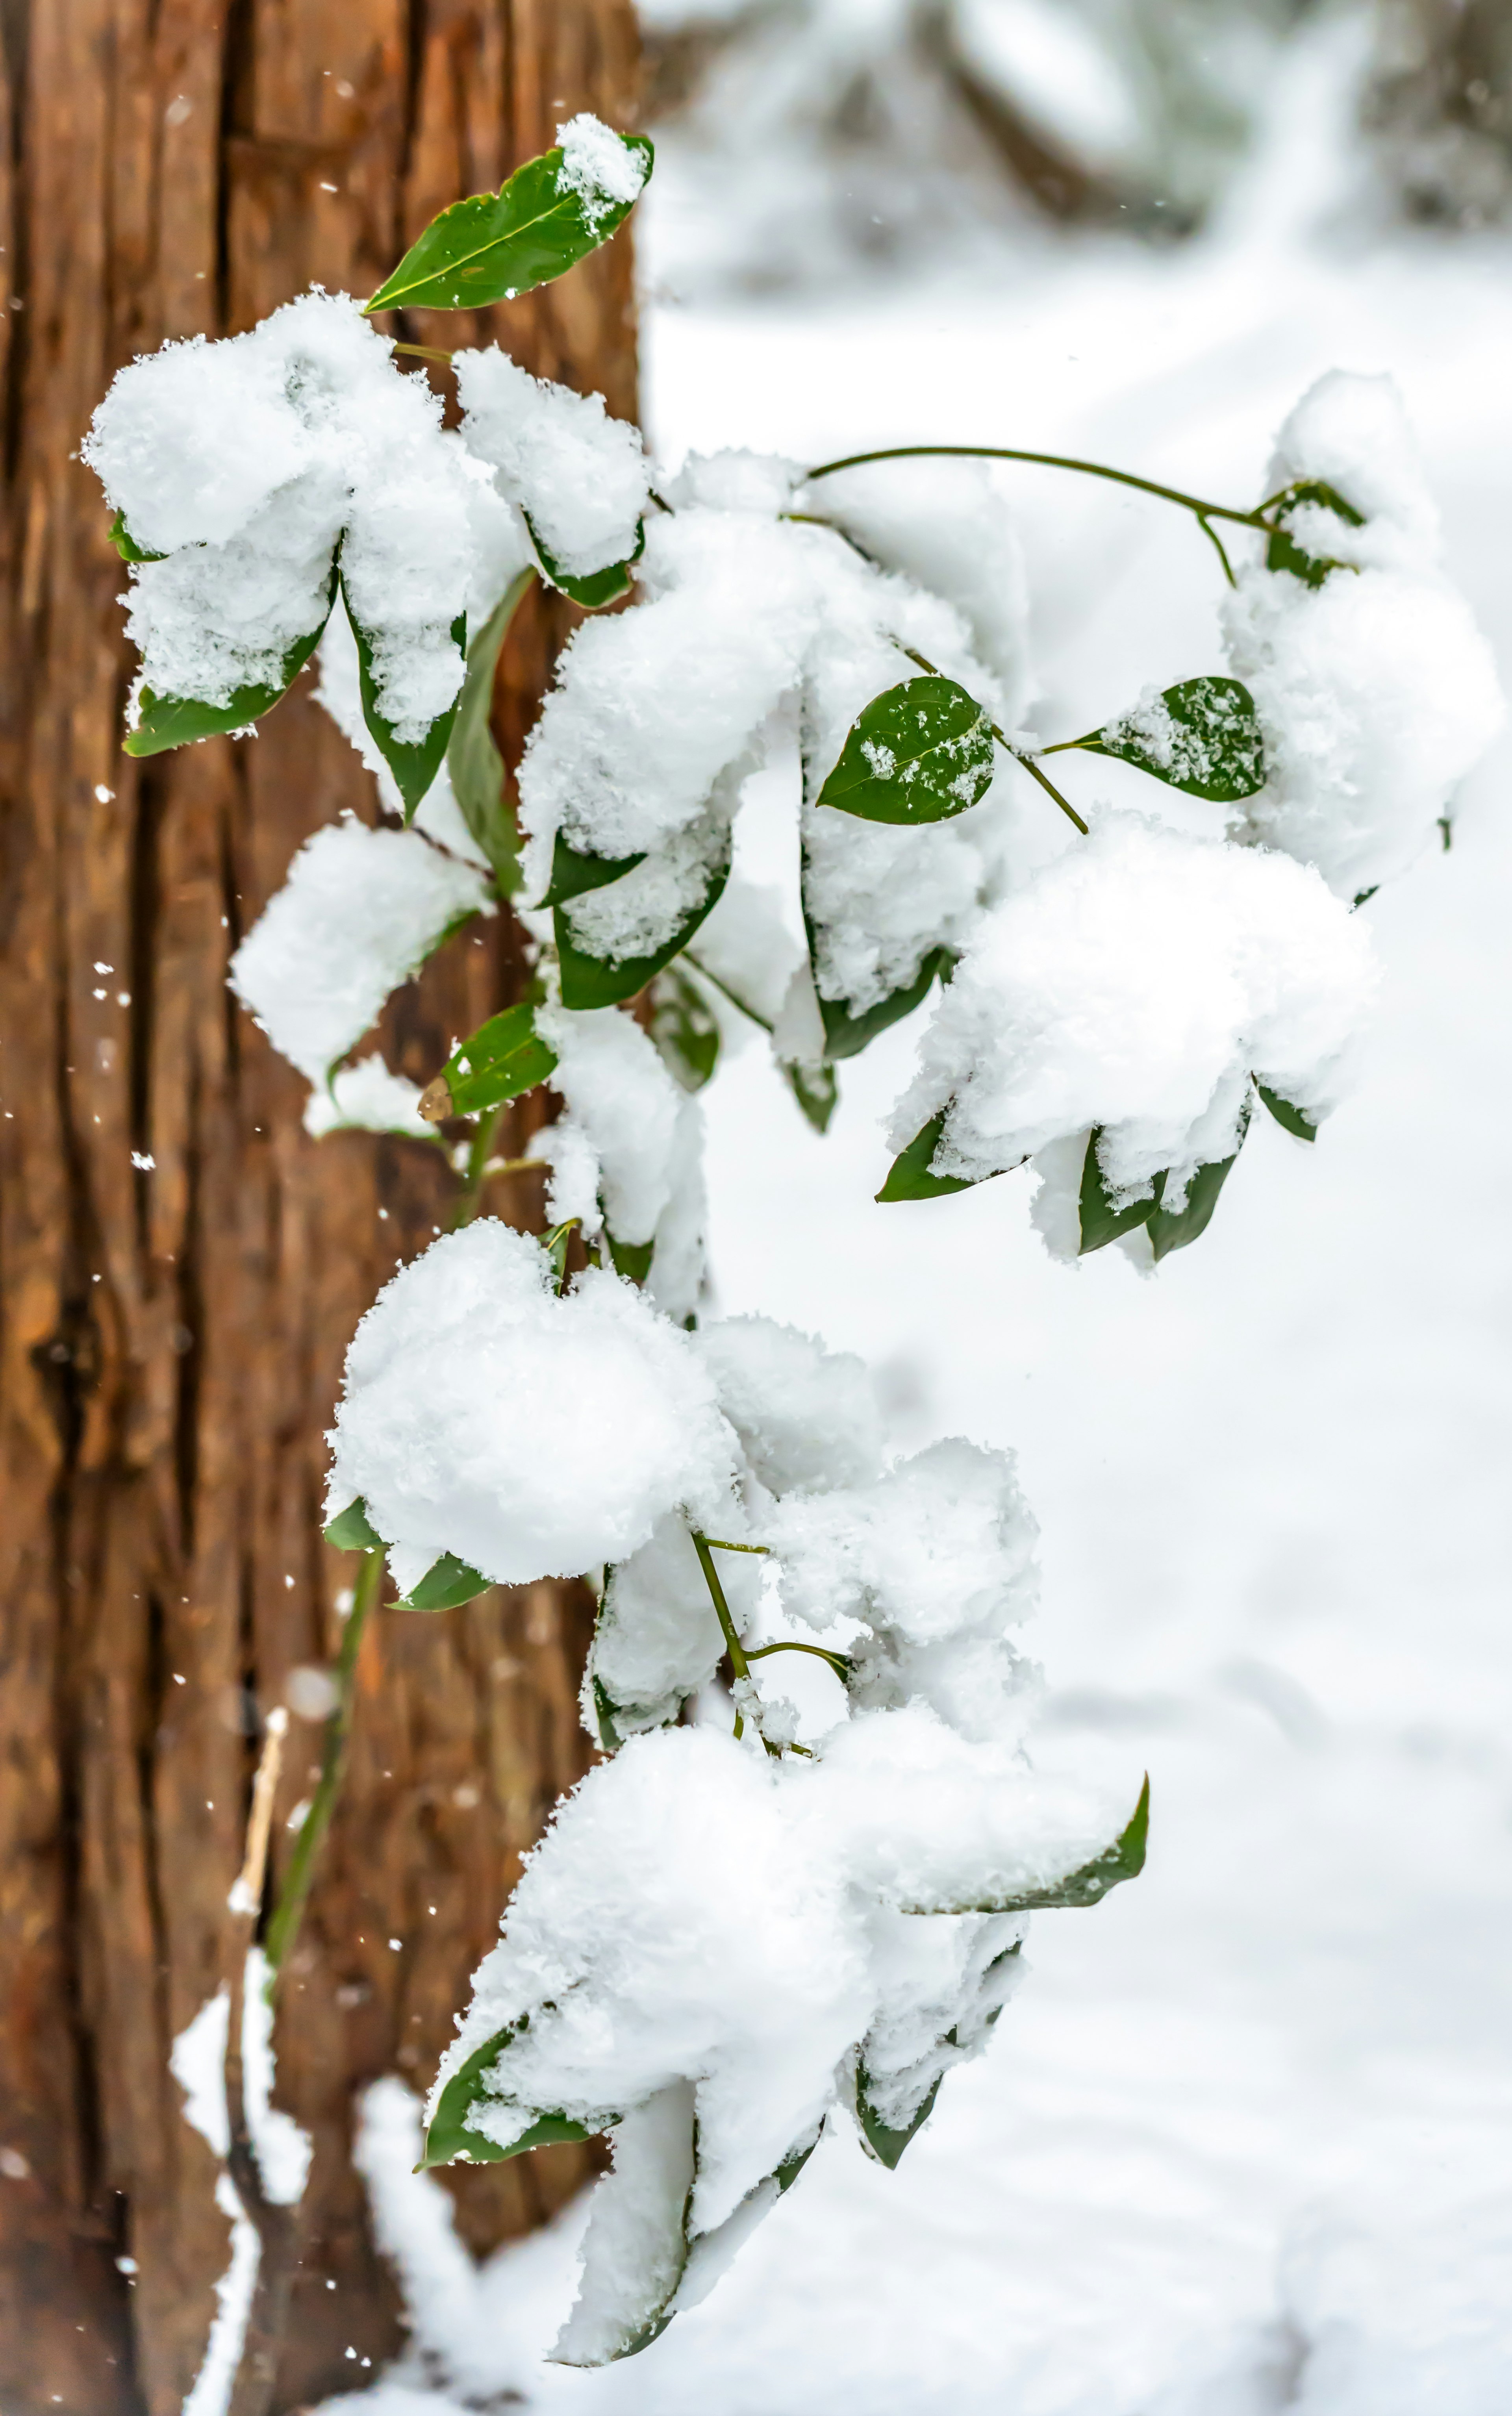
(806, 1417)
(532, 1436)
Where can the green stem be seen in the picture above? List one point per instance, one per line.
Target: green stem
(426, 353)
(1007, 743)
(477, 1159)
(1050, 461)
(838, 1661)
(717, 1544)
(711, 1578)
(283, 1923)
(1209, 531)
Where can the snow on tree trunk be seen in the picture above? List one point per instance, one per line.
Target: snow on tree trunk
(182, 1265)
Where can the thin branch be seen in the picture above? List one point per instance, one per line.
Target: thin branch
(1047, 460)
(283, 1923)
(838, 1662)
(717, 1544)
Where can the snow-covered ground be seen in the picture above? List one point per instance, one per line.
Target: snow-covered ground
(1243, 2141)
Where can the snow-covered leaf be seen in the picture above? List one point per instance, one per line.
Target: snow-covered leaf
(882, 2140)
(1200, 735)
(412, 763)
(502, 1058)
(550, 214)
(847, 1034)
(574, 872)
(591, 589)
(125, 544)
(1283, 552)
(589, 981)
(1102, 1221)
(1172, 1228)
(473, 759)
(684, 1028)
(1291, 1119)
(1086, 1885)
(447, 2134)
(165, 722)
(919, 753)
(909, 1176)
(817, 1089)
(351, 1530)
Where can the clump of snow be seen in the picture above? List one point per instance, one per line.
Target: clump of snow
(599, 166)
(580, 476)
(657, 1640)
(367, 1097)
(531, 1436)
(1136, 984)
(621, 1098)
(1375, 690)
(358, 913)
(244, 462)
(745, 947)
(700, 1918)
(338, 689)
(806, 1417)
(735, 480)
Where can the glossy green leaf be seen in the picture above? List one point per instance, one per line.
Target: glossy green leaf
(351, 1530)
(555, 1244)
(497, 1062)
(1101, 1222)
(885, 2143)
(1202, 736)
(125, 544)
(591, 589)
(1087, 1886)
(1173, 1229)
(1291, 1119)
(494, 246)
(590, 981)
(919, 753)
(574, 872)
(817, 1090)
(631, 1259)
(413, 763)
(176, 720)
(447, 1583)
(449, 2134)
(1282, 552)
(847, 1034)
(909, 1176)
(474, 761)
(794, 2163)
(684, 1028)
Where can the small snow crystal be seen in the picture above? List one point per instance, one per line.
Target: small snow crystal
(597, 166)
(360, 911)
(529, 1435)
(1375, 690)
(1136, 984)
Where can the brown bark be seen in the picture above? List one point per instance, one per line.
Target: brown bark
(174, 1320)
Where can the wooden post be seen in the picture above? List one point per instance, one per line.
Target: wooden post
(181, 1267)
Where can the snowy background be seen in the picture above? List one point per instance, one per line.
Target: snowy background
(1243, 2141)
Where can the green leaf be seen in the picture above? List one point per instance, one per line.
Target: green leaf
(176, 720)
(816, 1088)
(1173, 1229)
(847, 1034)
(591, 589)
(447, 1583)
(474, 761)
(1101, 1222)
(1206, 740)
(885, 2143)
(593, 981)
(1123, 1860)
(495, 246)
(909, 1176)
(1291, 1119)
(448, 2133)
(555, 1244)
(794, 2161)
(632, 1259)
(351, 1530)
(1284, 554)
(575, 873)
(125, 544)
(502, 1058)
(606, 1711)
(919, 753)
(413, 763)
(684, 1028)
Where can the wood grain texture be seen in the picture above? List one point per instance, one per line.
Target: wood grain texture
(180, 1268)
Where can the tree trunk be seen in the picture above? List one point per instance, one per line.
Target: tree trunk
(182, 1268)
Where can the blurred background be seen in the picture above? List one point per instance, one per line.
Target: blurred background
(1242, 2144)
